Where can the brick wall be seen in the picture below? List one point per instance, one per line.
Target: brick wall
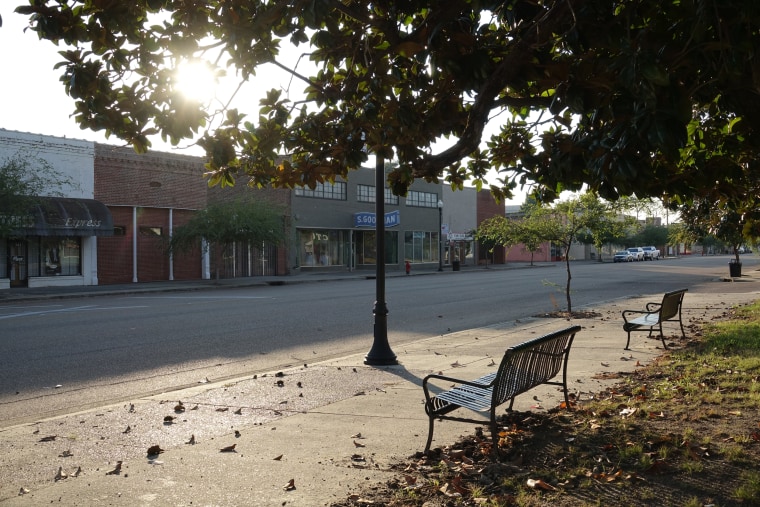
(158, 180)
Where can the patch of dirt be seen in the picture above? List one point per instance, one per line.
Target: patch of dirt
(583, 314)
(622, 455)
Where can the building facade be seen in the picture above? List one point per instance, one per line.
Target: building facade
(333, 225)
(112, 223)
(56, 242)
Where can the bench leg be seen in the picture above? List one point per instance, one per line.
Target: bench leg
(430, 435)
(494, 433)
(628, 343)
(662, 338)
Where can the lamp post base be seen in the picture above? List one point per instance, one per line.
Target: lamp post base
(380, 354)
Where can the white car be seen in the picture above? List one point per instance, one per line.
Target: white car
(623, 256)
(651, 253)
(637, 252)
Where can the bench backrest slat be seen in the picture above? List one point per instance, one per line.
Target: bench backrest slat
(531, 363)
(671, 304)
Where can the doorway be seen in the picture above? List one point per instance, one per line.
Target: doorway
(17, 255)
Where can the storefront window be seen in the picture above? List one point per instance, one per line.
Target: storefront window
(54, 256)
(323, 248)
(421, 246)
(366, 250)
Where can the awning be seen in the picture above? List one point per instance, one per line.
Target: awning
(66, 216)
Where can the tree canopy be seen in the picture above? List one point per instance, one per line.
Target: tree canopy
(637, 97)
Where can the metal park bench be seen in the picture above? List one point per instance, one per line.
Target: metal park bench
(522, 368)
(654, 315)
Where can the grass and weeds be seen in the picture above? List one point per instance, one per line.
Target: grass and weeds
(682, 431)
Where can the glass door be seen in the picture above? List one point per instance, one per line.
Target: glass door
(18, 261)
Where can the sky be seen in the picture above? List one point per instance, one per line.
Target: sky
(33, 98)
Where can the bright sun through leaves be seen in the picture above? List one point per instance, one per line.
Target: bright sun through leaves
(196, 80)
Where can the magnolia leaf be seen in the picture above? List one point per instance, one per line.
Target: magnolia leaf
(116, 470)
(358, 444)
(191, 441)
(65, 454)
(290, 486)
(50, 438)
(61, 474)
(229, 448)
(540, 484)
(154, 450)
(277, 458)
(127, 429)
(238, 411)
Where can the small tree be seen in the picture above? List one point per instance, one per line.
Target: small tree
(498, 231)
(226, 223)
(727, 221)
(568, 219)
(23, 178)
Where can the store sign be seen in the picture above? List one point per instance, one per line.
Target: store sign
(458, 236)
(367, 219)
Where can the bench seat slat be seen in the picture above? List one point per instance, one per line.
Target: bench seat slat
(648, 320)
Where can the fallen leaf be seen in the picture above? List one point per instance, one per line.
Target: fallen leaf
(229, 448)
(168, 419)
(61, 474)
(65, 454)
(456, 364)
(154, 450)
(540, 484)
(179, 407)
(278, 458)
(357, 435)
(50, 438)
(222, 409)
(191, 441)
(23, 491)
(127, 429)
(239, 411)
(237, 434)
(115, 471)
(605, 364)
(290, 486)
(359, 444)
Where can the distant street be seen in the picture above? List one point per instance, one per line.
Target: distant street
(66, 355)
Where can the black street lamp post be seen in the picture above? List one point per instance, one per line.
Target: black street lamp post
(380, 354)
(440, 234)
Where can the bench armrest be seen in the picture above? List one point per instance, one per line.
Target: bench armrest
(626, 313)
(653, 307)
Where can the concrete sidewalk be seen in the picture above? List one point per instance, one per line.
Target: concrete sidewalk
(330, 427)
